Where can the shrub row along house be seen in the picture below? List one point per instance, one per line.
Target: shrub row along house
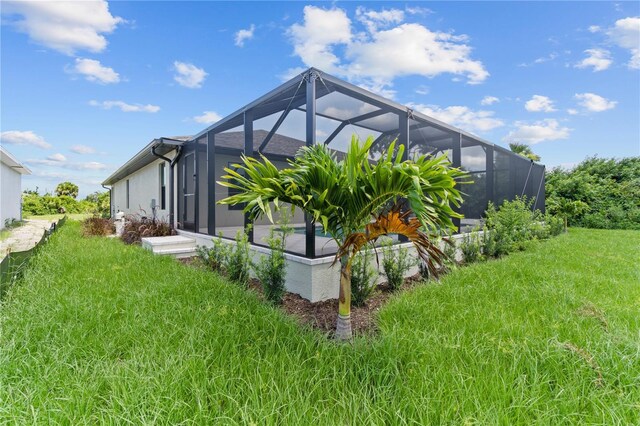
(175, 177)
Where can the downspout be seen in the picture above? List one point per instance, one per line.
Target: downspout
(110, 199)
(172, 163)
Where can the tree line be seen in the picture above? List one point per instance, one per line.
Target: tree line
(64, 200)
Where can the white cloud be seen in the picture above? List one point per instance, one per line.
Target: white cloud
(626, 34)
(385, 50)
(417, 10)
(461, 116)
(594, 29)
(57, 157)
(17, 137)
(82, 149)
(373, 19)
(66, 26)
(594, 103)
(539, 103)
(422, 90)
(545, 130)
(540, 60)
(572, 111)
(125, 107)
(208, 117)
(244, 35)
(599, 59)
(314, 40)
(188, 75)
(489, 100)
(90, 165)
(93, 70)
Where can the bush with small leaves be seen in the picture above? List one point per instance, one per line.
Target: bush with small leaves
(271, 270)
(215, 257)
(237, 260)
(363, 277)
(555, 224)
(471, 247)
(395, 263)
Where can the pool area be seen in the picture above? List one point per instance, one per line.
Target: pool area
(319, 231)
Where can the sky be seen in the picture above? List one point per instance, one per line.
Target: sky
(86, 85)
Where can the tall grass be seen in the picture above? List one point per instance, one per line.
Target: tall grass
(102, 332)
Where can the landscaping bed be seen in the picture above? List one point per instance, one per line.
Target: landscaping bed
(322, 315)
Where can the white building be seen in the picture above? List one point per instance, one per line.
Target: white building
(11, 171)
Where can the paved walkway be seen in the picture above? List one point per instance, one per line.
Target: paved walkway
(24, 237)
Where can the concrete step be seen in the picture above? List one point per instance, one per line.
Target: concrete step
(177, 253)
(174, 245)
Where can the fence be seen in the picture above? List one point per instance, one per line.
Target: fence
(14, 263)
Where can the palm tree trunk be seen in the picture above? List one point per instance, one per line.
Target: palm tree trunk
(343, 326)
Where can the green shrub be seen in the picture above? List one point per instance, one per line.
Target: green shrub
(395, 263)
(489, 246)
(512, 225)
(471, 247)
(237, 259)
(363, 277)
(554, 224)
(271, 270)
(214, 257)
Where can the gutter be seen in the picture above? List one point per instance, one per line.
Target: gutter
(110, 199)
(172, 163)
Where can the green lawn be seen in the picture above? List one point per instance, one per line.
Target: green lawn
(99, 332)
(70, 216)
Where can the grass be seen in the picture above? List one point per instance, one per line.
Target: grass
(102, 332)
(70, 216)
(4, 234)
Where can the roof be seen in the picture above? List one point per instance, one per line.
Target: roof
(145, 157)
(279, 145)
(9, 160)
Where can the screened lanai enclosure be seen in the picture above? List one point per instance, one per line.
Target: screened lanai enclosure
(317, 108)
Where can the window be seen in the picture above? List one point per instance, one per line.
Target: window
(234, 191)
(163, 186)
(127, 193)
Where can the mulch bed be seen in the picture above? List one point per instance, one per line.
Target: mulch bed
(323, 315)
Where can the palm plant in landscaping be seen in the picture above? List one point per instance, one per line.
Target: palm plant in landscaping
(356, 200)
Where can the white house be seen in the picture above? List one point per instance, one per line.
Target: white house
(11, 171)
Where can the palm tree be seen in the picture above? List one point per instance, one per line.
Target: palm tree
(356, 200)
(524, 150)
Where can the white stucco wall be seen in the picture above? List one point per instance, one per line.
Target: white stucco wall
(144, 185)
(10, 194)
(316, 279)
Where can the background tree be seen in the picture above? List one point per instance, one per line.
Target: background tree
(67, 188)
(524, 150)
(356, 201)
(610, 188)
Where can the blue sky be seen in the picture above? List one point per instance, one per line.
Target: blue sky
(85, 86)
